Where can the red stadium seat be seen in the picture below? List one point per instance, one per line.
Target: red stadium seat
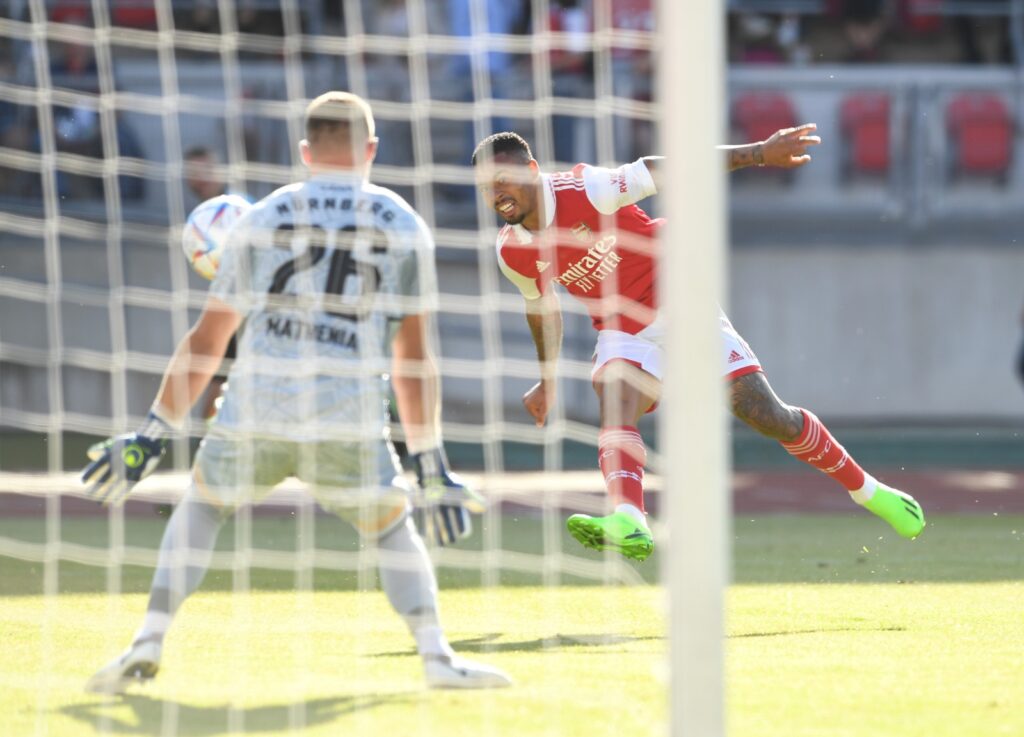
(759, 114)
(922, 16)
(864, 121)
(981, 133)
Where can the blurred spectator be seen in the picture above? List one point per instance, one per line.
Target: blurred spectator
(201, 16)
(201, 177)
(128, 146)
(572, 75)
(865, 23)
(75, 62)
(633, 78)
(971, 33)
(252, 18)
(758, 38)
(77, 131)
(17, 132)
(500, 17)
(390, 81)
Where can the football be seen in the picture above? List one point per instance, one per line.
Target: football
(206, 230)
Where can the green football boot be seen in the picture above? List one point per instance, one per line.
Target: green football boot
(618, 531)
(898, 509)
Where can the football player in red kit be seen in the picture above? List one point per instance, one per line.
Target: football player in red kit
(582, 229)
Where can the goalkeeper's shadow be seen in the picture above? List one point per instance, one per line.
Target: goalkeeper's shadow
(151, 715)
(492, 643)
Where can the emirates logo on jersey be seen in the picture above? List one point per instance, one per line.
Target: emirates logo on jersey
(582, 232)
(599, 263)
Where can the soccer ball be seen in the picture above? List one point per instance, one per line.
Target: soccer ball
(206, 230)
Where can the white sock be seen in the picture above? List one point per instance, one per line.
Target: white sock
(863, 494)
(430, 640)
(633, 512)
(154, 625)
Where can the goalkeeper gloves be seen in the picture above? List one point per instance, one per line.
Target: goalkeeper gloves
(444, 516)
(121, 462)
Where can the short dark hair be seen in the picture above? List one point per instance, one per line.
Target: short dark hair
(196, 152)
(505, 142)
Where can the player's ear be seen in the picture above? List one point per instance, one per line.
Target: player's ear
(534, 168)
(304, 152)
(371, 149)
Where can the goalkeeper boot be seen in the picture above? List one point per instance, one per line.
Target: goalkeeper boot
(898, 509)
(618, 531)
(138, 664)
(451, 671)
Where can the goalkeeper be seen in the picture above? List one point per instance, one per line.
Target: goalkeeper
(334, 279)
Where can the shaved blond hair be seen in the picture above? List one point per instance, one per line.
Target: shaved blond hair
(341, 116)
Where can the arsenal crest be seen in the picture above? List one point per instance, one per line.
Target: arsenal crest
(582, 232)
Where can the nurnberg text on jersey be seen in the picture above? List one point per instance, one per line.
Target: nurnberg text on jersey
(343, 204)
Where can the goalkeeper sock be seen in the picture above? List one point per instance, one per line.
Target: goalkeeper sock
(816, 447)
(407, 577)
(621, 456)
(185, 552)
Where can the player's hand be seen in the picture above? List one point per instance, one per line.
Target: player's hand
(539, 400)
(447, 501)
(121, 462)
(787, 148)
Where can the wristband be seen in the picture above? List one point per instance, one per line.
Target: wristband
(432, 463)
(155, 427)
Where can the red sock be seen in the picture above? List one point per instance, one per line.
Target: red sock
(621, 455)
(817, 447)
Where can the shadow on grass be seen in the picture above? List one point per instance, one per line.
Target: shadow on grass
(149, 715)
(488, 644)
(820, 630)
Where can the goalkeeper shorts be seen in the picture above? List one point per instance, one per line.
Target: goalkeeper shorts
(360, 482)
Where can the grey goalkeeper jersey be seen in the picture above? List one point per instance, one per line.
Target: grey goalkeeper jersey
(323, 272)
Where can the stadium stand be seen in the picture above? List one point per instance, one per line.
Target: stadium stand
(981, 136)
(864, 121)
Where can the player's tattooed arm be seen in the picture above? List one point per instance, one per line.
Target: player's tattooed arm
(756, 404)
(740, 157)
(785, 149)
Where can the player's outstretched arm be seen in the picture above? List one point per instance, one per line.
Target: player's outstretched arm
(121, 462)
(544, 316)
(414, 378)
(785, 149)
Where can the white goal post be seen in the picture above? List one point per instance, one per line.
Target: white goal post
(693, 420)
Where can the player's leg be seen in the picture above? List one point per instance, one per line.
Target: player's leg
(806, 438)
(185, 551)
(627, 386)
(381, 516)
(219, 484)
(407, 577)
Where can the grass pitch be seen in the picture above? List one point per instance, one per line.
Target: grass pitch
(835, 630)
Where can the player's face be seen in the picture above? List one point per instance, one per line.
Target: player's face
(510, 187)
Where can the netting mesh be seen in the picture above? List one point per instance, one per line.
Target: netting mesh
(116, 118)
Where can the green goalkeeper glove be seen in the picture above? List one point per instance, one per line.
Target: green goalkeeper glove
(120, 462)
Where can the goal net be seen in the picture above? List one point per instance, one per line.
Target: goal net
(117, 117)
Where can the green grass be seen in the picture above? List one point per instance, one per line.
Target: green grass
(833, 632)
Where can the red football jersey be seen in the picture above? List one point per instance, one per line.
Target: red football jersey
(596, 243)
